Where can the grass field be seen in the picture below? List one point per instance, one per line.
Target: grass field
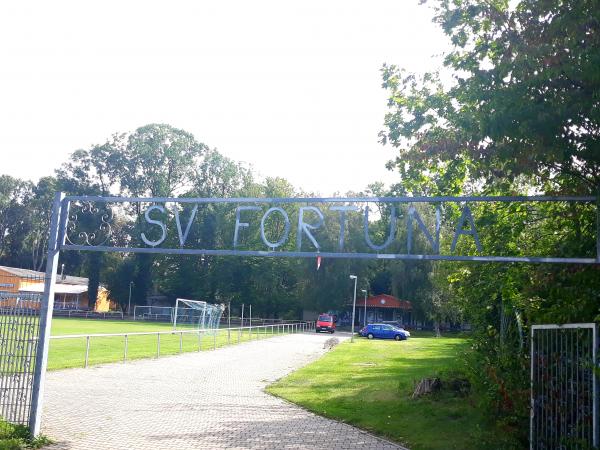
(66, 353)
(369, 384)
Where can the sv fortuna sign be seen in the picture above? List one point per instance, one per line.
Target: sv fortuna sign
(293, 227)
(166, 225)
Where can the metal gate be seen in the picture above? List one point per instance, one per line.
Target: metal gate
(19, 331)
(85, 223)
(564, 387)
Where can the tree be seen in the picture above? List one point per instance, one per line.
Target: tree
(520, 114)
(436, 298)
(40, 213)
(14, 195)
(525, 98)
(156, 160)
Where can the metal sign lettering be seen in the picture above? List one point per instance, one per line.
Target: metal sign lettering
(304, 227)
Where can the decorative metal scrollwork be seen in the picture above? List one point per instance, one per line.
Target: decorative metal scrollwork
(88, 225)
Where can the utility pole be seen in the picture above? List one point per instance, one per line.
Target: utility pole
(365, 314)
(129, 301)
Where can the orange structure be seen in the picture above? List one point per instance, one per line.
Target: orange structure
(70, 292)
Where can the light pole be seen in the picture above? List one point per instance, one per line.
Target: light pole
(365, 315)
(229, 315)
(228, 322)
(240, 332)
(62, 277)
(129, 301)
(353, 277)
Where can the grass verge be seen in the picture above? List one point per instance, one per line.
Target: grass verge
(369, 384)
(18, 437)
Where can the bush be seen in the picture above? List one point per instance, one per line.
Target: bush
(18, 437)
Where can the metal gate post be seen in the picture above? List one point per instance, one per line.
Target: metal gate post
(57, 223)
(532, 363)
(596, 418)
(598, 227)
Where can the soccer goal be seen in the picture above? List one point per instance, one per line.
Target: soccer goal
(202, 315)
(157, 313)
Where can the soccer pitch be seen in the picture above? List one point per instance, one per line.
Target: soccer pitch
(67, 353)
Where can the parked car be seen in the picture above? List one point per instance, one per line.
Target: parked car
(384, 331)
(325, 322)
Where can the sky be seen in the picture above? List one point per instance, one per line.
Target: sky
(292, 88)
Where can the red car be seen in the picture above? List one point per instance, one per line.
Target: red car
(325, 322)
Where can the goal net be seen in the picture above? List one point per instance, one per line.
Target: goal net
(201, 315)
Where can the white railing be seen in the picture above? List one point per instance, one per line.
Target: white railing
(86, 314)
(250, 332)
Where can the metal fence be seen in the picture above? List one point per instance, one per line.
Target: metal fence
(87, 314)
(155, 313)
(227, 336)
(19, 331)
(564, 387)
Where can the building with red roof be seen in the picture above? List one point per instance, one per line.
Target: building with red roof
(383, 308)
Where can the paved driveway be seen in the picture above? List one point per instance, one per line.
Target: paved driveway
(208, 400)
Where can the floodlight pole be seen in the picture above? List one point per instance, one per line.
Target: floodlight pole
(353, 277)
(129, 301)
(242, 320)
(250, 324)
(175, 316)
(365, 314)
(228, 322)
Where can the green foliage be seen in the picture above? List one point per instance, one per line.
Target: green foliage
(520, 115)
(524, 98)
(25, 211)
(18, 437)
(14, 194)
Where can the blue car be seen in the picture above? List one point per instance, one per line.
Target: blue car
(384, 331)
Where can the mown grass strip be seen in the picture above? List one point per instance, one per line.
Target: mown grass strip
(369, 384)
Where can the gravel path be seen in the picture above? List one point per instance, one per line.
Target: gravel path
(208, 400)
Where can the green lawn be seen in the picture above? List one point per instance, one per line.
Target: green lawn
(66, 353)
(369, 384)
